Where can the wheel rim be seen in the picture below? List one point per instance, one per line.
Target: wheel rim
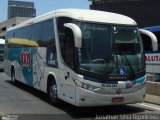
(53, 93)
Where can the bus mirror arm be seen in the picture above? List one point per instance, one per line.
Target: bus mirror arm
(76, 32)
(153, 38)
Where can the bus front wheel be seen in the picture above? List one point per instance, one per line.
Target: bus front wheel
(53, 93)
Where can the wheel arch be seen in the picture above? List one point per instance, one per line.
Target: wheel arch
(51, 78)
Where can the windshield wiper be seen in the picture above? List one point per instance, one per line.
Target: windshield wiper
(126, 59)
(129, 64)
(110, 58)
(107, 62)
(115, 63)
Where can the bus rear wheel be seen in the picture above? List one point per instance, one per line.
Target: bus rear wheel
(13, 79)
(53, 93)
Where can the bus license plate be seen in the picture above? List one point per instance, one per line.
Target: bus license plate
(117, 99)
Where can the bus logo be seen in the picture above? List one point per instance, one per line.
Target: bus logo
(130, 84)
(121, 71)
(118, 91)
(25, 59)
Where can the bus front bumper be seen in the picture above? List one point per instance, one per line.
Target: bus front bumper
(89, 98)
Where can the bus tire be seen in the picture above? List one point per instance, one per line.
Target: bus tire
(53, 93)
(13, 78)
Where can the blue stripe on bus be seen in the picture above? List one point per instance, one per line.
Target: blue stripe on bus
(100, 81)
(153, 29)
(130, 84)
(139, 80)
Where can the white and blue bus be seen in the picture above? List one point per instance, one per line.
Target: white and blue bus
(2, 43)
(152, 58)
(84, 57)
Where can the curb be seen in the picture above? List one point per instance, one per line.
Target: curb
(152, 99)
(152, 92)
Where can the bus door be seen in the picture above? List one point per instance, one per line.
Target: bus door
(68, 85)
(68, 75)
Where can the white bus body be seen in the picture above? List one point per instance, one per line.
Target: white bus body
(84, 57)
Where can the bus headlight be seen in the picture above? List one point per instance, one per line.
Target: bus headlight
(86, 86)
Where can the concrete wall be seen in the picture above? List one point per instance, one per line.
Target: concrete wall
(153, 88)
(153, 93)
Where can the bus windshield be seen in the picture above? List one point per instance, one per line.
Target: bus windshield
(110, 50)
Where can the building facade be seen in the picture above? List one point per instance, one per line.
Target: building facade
(18, 12)
(20, 9)
(144, 12)
(10, 23)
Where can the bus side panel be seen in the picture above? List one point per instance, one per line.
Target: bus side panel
(30, 66)
(43, 65)
(22, 61)
(152, 66)
(27, 64)
(39, 68)
(56, 74)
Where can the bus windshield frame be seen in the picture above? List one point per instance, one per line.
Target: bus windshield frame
(110, 51)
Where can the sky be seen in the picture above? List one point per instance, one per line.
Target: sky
(43, 6)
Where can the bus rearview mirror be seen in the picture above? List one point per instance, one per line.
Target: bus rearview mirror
(77, 34)
(153, 38)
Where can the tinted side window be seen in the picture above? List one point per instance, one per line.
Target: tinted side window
(157, 34)
(43, 35)
(61, 32)
(9, 35)
(37, 32)
(66, 41)
(146, 43)
(48, 31)
(23, 35)
(48, 41)
(24, 32)
(69, 48)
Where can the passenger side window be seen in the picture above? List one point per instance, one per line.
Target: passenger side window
(69, 48)
(66, 41)
(146, 43)
(37, 32)
(48, 41)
